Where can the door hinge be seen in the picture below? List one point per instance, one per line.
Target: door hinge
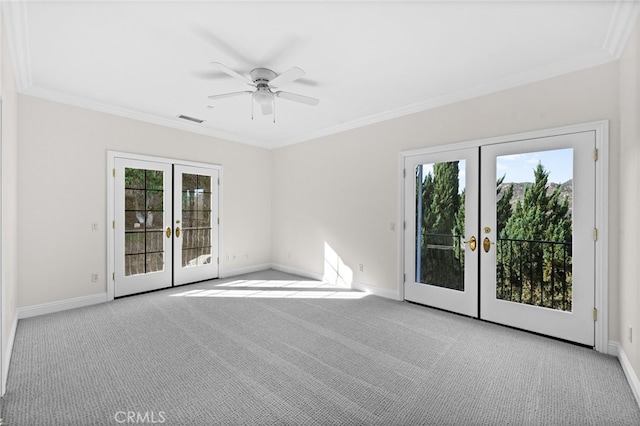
(595, 314)
(595, 154)
(404, 225)
(113, 224)
(218, 221)
(595, 234)
(404, 173)
(218, 260)
(113, 276)
(113, 172)
(218, 181)
(404, 278)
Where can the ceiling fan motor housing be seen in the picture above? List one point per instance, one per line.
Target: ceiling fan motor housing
(262, 75)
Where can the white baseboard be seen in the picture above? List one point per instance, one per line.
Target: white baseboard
(245, 270)
(377, 291)
(61, 305)
(613, 348)
(631, 375)
(294, 271)
(6, 356)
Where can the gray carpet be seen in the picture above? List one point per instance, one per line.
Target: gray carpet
(230, 352)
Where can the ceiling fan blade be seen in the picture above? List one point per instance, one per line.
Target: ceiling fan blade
(298, 98)
(267, 108)
(210, 74)
(229, 95)
(232, 73)
(307, 82)
(287, 77)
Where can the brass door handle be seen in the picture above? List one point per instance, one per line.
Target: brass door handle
(472, 243)
(486, 244)
(168, 232)
(178, 232)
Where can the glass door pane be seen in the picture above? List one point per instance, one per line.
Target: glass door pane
(143, 211)
(440, 224)
(534, 228)
(196, 222)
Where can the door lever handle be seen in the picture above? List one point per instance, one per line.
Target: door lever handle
(486, 244)
(168, 232)
(472, 243)
(178, 232)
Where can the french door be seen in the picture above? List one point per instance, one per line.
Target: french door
(165, 225)
(195, 242)
(440, 266)
(505, 233)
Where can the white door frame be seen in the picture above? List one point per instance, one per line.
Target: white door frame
(601, 129)
(111, 156)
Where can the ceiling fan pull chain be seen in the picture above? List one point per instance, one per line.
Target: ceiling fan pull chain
(251, 100)
(274, 110)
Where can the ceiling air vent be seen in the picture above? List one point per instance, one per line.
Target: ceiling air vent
(192, 119)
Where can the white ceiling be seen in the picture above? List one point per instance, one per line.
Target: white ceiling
(365, 61)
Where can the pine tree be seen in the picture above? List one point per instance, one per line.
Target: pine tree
(504, 195)
(503, 205)
(445, 200)
(540, 216)
(458, 230)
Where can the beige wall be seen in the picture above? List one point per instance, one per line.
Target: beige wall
(343, 189)
(62, 183)
(629, 161)
(9, 156)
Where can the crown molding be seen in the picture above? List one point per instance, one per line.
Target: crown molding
(623, 19)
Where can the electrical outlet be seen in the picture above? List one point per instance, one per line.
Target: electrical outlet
(94, 277)
(630, 334)
(94, 226)
(361, 267)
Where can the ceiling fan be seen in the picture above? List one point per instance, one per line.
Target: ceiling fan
(264, 80)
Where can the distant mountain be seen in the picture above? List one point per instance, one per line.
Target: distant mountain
(519, 187)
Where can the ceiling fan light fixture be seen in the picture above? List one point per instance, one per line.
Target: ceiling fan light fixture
(263, 97)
